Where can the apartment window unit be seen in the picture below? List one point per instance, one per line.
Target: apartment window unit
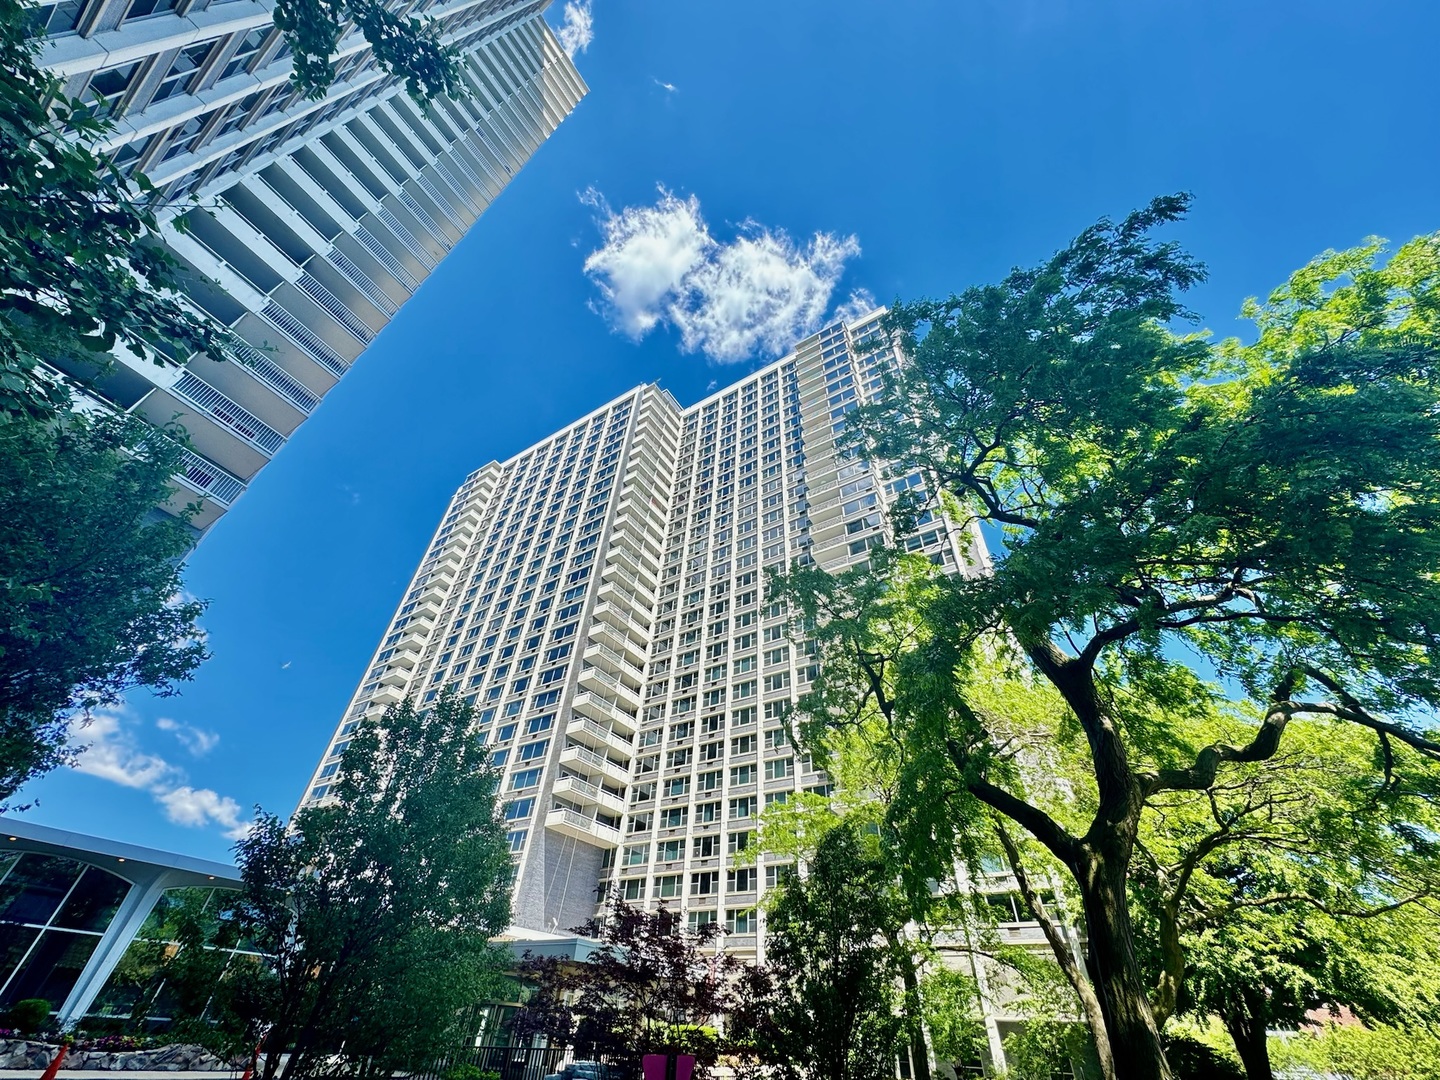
(141, 9)
(632, 889)
(108, 87)
(741, 920)
(779, 768)
(741, 880)
(670, 851)
(705, 847)
(674, 818)
(246, 53)
(705, 883)
(184, 71)
(636, 855)
(743, 807)
(669, 886)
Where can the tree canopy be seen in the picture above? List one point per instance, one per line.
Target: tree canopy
(378, 906)
(91, 600)
(1180, 522)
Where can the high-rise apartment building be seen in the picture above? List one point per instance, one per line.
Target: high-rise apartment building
(316, 219)
(599, 598)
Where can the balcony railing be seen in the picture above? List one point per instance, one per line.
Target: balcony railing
(195, 391)
(301, 334)
(277, 378)
(209, 480)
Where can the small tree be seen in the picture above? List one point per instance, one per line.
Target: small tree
(836, 1010)
(652, 986)
(91, 601)
(377, 909)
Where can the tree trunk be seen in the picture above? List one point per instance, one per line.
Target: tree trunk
(1246, 1024)
(1079, 981)
(1134, 1038)
(1172, 965)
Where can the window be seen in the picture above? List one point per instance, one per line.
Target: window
(741, 880)
(705, 847)
(670, 851)
(738, 842)
(635, 855)
(701, 919)
(245, 52)
(678, 786)
(109, 86)
(740, 920)
(642, 822)
(780, 768)
(520, 808)
(516, 837)
(141, 8)
(745, 774)
(742, 807)
(524, 779)
(674, 818)
(706, 883)
(776, 876)
(632, 888)
(669, 886)
(184, 71)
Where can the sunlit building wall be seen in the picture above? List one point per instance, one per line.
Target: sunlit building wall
(309, 221)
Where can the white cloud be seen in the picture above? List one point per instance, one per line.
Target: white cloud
(198, 807)
(112, 753)
(756, 294)
(197, 740)
(861, 302)
(668, 87)
(577, 27)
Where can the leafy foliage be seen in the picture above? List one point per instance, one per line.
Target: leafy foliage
(1168, 508)
(835, 1014)
(377, 909)
(652, 986)
(400, 43)
(91, 602)
(1382, 1053)
(81, 272)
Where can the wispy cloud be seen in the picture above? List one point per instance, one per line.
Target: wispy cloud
(113, 753)
(197, 740)
(668, 87)
(577, 27)
(729, 300)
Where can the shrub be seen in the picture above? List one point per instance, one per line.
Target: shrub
(29, 1016)
(1191, 1059)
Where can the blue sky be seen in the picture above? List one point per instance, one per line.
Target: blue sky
(738, 171)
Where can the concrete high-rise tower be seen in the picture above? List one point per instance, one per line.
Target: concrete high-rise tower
(599, 598)
(317, 219)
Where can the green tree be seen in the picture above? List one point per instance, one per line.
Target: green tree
(91, 602)
(377, 908)
(81, 273)
(1296, 883)
(835, 1014)
(1165, 506)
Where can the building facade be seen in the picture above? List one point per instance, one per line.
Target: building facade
(599, 599)
(308, 222)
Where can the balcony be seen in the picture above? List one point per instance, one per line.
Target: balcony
(585, 829)
(584, 793)
(616, 642)
(586, 731)
(620, 619)
(604, 710)
(601, 677)
(586, 760)
(616, 662)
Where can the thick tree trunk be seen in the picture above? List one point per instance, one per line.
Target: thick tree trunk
(1172, 966)
(1134, 1038)
(1246, 1025)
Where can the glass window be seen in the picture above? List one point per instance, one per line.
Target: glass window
(180, 79)
(139, 9)
(56, 18)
